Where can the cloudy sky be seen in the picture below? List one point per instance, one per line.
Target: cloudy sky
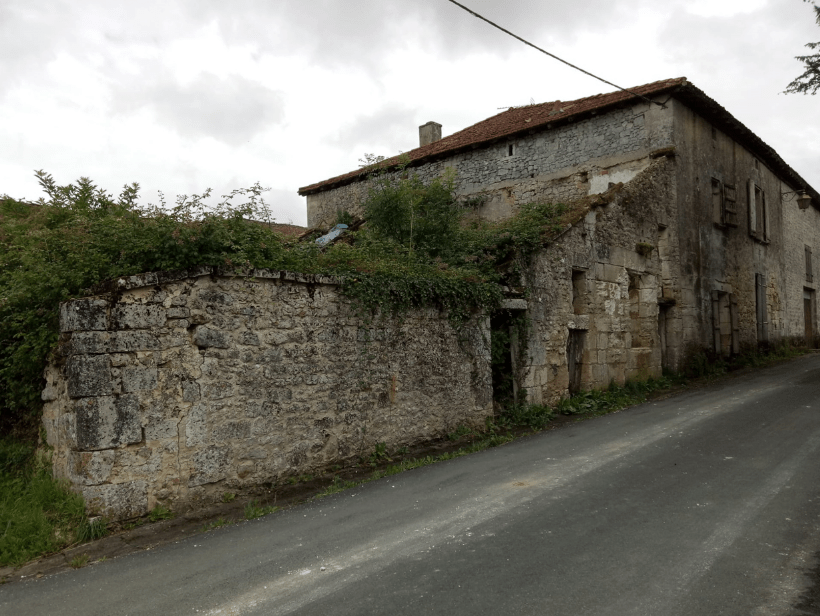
(184, 95)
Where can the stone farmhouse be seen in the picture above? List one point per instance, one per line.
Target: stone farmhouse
(686, 232)
(700, 237)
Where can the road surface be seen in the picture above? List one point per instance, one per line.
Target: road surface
(704, 503)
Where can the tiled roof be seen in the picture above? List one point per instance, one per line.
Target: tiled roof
(508, 123)
(521, 120)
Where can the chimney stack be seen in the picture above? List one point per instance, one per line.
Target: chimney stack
(429, 133)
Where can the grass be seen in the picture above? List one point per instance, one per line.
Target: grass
(38, 515)
(254, 510)
(78, 561)
(218, 523)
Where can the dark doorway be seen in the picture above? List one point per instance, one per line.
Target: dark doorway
(575, 355)
(504, 328)
(808, 314)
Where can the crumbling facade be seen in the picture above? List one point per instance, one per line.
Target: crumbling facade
(709, 244)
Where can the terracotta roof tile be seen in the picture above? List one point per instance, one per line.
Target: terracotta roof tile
(514, 120)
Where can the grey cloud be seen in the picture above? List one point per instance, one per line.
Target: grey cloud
(363, 32)
(231, 109)
(390, 129)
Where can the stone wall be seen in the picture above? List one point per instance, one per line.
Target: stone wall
(175, 389)
(602, 281)
(553, 165)
(801, 229)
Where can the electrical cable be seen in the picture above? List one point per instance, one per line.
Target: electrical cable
(551, 55)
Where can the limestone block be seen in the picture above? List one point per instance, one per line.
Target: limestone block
(210, 464)
(90, 468)
(130, 341)
(107, 421)
(139, 378)
(196, 427)
(232, 430)
(207, 337)
(249, 338)
(89, 376)
(190, 391)
(117, 501)
(160, 430)
(178, 313)
(138, 316)
(84, 314)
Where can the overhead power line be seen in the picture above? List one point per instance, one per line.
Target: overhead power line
(552, 55)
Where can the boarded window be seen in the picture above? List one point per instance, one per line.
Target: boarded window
(809, 274)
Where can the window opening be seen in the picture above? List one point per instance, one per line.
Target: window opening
(510, 149)
(579, 292)
(809, 273)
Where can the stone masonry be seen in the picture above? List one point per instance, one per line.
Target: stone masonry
(177, 388)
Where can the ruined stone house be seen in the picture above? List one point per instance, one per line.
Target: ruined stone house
(701, 236)
(688, 232)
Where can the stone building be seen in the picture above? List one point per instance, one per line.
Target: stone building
(685, 232)
(700, 237)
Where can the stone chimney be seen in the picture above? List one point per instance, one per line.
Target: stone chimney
(429, 133)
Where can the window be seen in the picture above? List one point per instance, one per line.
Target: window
(510, 149)
(809, 276)
(758, 215)
(579, 292)
(724, 198)
(714, 134)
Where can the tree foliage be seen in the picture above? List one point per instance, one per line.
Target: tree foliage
(809, 81)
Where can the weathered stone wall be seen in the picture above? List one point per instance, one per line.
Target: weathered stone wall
(614, 300)
(725, 258)
(556, 165)
(801, 228)
(174, 391)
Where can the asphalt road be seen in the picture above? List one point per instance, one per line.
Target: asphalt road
(704, 503)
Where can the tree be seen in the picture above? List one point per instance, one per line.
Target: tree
(809, 81)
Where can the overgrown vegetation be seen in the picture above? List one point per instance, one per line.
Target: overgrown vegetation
(417, 249)
(37, 514)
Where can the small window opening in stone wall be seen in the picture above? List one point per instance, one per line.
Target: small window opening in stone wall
(580, 296)
(510, 149)
(757, 164)
(809, 273)
(714, 134)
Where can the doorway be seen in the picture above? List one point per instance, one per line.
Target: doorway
(575, 356)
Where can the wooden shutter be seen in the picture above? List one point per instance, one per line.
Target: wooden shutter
(752, 209)
(729, 205)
